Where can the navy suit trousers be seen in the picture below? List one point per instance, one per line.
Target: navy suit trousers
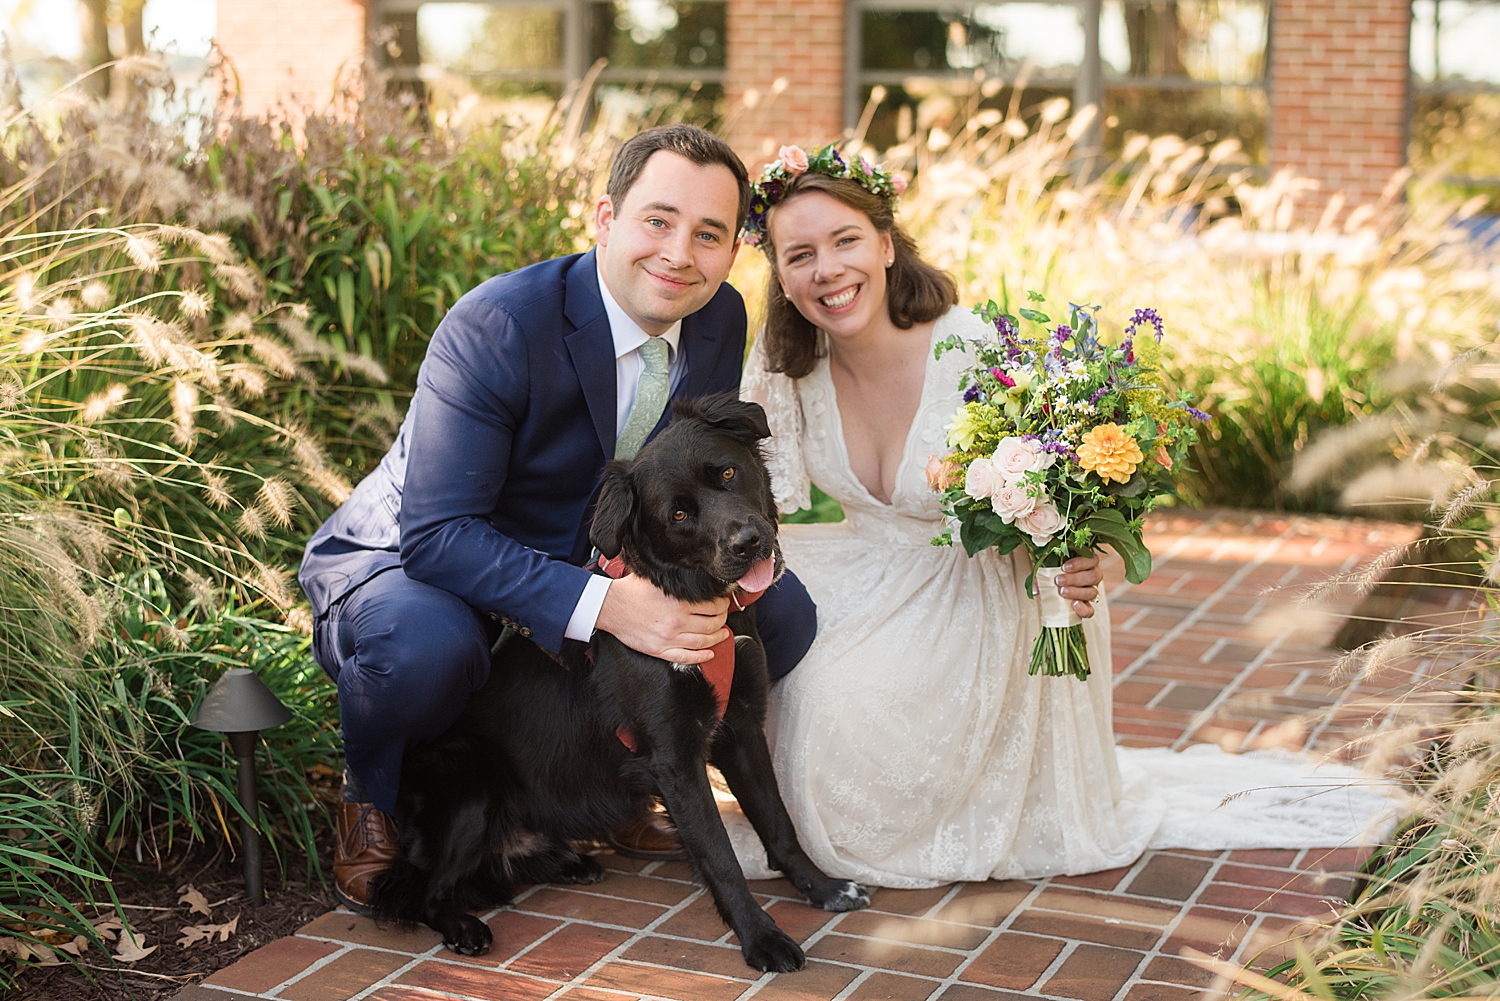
(406, 656)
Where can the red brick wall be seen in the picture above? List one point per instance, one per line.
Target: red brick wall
(289, 53)
(800, 42)
(1338, 92)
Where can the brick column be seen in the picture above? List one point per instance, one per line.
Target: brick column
(290, 53)
(1338, 92)
(801, 42)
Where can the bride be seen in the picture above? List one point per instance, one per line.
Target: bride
(911, 745)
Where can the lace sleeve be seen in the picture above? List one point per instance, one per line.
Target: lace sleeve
(778, 395)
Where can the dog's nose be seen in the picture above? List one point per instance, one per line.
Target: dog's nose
(746, 542)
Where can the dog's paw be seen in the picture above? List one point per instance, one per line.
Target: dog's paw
(845, 895)
(472, 938)
(583, 870)
(771, 950)
(838, 895)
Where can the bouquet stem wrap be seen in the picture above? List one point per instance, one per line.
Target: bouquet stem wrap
(1060, 648)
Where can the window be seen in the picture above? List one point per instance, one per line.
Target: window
(1195, 68)
(1455, 123)
(929, 62)
(497, 56)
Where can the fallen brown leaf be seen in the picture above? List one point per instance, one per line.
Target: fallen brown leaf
(35, 951)
(132, 947)
(193, 934)
(197, 902)
(77, 947)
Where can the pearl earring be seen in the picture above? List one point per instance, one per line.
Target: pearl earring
(890, 262)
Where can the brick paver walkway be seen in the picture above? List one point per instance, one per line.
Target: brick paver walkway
(1204, 651)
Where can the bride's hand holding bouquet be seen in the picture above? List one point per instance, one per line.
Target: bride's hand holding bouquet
(1063, 444)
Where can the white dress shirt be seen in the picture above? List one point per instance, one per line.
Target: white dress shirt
(628, 337)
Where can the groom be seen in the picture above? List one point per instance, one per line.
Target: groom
(478, 516)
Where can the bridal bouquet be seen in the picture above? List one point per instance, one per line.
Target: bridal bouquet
(1063, 443)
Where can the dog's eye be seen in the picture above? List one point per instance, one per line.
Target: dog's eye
(728, 473)
(679, 515)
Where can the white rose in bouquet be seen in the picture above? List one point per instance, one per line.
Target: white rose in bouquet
(983, 479)
(1015, 457)
(1041, 523)
(1012, 501)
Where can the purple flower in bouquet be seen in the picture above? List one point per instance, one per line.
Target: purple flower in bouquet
(1144, 316)
(971, 394)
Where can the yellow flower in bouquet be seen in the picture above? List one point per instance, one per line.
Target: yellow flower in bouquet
(970, 424)
(1110, 451)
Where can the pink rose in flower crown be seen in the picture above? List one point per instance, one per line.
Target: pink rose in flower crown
(983, 479)
(793, 160)
(898, 183)
(1012, 502)
(1015, 457)
(1042, 523)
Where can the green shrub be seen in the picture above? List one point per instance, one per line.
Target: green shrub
(379, 226)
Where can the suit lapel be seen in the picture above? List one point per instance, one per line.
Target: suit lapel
(592, 348)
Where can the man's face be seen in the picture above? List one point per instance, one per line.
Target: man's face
(668, 247)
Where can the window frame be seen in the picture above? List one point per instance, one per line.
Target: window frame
(1090, 85)
(576, 43)
(1417, 87)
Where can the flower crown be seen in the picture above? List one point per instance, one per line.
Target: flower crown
(791, 161)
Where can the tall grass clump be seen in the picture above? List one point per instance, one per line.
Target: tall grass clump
(1421, 922)
(379, 223)
(1283, 325)
(152, 494)
(208, 329)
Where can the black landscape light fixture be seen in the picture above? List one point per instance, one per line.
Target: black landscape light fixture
(241, 706)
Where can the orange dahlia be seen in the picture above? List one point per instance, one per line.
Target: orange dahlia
(1109, 451)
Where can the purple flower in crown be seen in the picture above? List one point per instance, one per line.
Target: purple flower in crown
(1197, 414)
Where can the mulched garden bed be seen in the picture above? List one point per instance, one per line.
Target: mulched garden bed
(151, 896)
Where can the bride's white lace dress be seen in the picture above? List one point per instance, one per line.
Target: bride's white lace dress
(911, 746)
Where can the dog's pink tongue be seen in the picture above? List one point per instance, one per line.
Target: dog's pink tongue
(759, 577)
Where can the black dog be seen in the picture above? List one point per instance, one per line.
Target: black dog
(539, 758)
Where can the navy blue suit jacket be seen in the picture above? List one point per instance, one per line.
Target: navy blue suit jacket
(487, 489)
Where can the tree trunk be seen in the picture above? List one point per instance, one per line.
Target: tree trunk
(132, 15)
(94, 29)
(1155, 37)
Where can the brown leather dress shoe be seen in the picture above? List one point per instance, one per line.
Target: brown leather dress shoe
(652, 838)
(364, 845)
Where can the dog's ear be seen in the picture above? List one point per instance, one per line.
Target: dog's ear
(727, 413)
(614, 509)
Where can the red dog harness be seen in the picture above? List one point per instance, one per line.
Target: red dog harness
(718, 672)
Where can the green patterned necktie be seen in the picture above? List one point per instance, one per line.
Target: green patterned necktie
(650, 399)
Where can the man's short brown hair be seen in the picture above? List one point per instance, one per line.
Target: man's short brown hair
(694, 144)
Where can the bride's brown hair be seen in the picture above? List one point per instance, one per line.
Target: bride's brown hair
(915, 292)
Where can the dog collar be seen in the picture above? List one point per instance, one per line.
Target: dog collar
(718, 672)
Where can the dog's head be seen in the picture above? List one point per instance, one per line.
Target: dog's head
(693, 512)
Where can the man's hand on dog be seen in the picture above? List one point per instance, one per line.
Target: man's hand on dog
(1079, 582)
(639, 615)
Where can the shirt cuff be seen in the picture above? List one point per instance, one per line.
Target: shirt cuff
(586, 612)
